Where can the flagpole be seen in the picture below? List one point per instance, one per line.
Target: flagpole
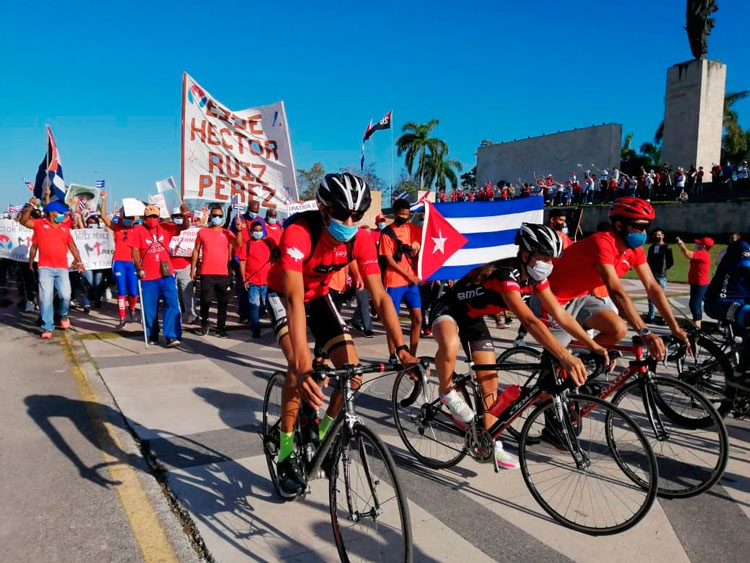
(392, 126)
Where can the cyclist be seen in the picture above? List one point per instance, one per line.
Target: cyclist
(603, 258)
(315, 244)
(499, 286)
(728, 299)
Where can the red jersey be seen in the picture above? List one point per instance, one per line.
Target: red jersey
(318, 264)
(274, 232)
(257, 257)
(53, 243)
(215, 250)
(153, 245)
(122, 249)
(575, 273)
(700, 264)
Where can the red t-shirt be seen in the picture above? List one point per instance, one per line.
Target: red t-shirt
(274, 232)
(575, 274)
(257, 257)
(407, 233)
(180, 262)
(53, 243)
(700, 264)
(215, 248)
(328, 256)
(122, 248)
(153, 245)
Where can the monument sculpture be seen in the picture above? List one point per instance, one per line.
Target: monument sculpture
(699, 25)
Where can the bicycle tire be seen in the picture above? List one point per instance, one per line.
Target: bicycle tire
(369, 543)
(708, 371)
(693, 452)
(518, 355)
(270, 429)
(585, 517)
(429, 434)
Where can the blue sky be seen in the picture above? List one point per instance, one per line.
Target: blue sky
(107, 76)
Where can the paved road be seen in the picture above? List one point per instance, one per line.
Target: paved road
(197, 411)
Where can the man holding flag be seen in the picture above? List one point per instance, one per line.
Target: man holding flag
(49, 176)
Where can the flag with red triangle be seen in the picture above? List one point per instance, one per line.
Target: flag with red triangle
(440, 241)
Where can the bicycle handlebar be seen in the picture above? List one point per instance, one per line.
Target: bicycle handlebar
(351, 371)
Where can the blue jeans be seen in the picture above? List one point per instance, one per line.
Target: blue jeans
(663, 283)
(91, 280)
(166, 288)
(361, 315)
(256, 297)
(51, 280)
(697, 292)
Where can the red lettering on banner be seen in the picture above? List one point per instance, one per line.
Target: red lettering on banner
(271, 149)
(259, 177)
(240, 137)
(246, 167)
(233, 173)
(215, 160)
(200, 130)
(238, 122)
(204, 182)
(254, 122)
(256, 151)
(267, 202)
(212, 138)
(223, 140)
(220, 185)
(215, 111)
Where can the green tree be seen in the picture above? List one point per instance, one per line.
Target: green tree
(440, 169)
(469, 179)
(415, 144)
(374, 181)
(652, 152)
(308, 180)
(735, 140)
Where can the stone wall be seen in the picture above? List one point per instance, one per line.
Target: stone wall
(557, 154)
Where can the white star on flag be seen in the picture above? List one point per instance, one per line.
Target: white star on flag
(439, 243)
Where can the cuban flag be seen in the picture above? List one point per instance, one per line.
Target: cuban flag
(458, 237)
(100, 184)
(28, 185)
(50, 173)
(419, 204)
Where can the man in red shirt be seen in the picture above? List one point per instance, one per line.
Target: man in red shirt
(255, 262)
(181, 264)
(273, 229)
(54, 241)
(603, 258)
(216, 242)
(316, 244)
(698, 274)
(149, 244)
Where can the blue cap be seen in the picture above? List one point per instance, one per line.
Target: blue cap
(56, 205)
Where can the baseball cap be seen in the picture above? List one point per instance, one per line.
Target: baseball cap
(708, 241)
(380, 218)
(151, 210)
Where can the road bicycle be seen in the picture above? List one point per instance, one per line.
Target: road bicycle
(369, 511)
(595, 475)
(715, 358)
(686, 432)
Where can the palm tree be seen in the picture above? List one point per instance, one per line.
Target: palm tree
(415, 142)
(441, 170)
(735, 138)
(652, 152)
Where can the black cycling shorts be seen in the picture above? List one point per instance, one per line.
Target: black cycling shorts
(324, 321)
(473, 332)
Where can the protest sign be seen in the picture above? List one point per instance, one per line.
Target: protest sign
(15, 240)
(132, 207)
(183, 244)
(82, 199)
(227, 153)
(160, 202)
(96, 247)
(166, 184)
(301, 206)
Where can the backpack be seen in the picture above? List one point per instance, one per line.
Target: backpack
(314, 221)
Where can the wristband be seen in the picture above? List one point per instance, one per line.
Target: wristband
(402, 347)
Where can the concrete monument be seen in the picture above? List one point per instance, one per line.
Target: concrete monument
(694, 103)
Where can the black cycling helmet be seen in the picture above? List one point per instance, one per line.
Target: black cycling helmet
(346, 195)
(539, 239)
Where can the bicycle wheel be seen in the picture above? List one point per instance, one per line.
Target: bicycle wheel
(424, 424)
(707, 371)
(591, 494)
(369, 510)
(506, 377)
(270, 428)
(686, 433)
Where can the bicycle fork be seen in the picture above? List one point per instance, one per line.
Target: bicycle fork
(652, 412)
(570, 440)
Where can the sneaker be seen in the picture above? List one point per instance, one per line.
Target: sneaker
(426, 332)
(509, 321)
(46, 335)
(369, 334)
(65, 323)
(203, 330)
(221, 333)
(108, 294)
(739, 380)
(291, 479)
(29, 307)
(458, 408)
(358, 327)
(393, 360)
(173, 342)
(121, 324)
(86, 309)
(154, 341)
(505, 460)
(135, 317)
(519, 342)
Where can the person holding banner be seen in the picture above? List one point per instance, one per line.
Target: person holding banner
(185, 284)
(122, 264)
(149, 244)
(250, 216)
(54, 242)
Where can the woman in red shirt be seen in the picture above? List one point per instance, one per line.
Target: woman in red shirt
(698, 275)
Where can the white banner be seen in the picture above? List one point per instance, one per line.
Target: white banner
(183, 244)
(227, 153)
(299, 207)
(96, 247)
(15, 240)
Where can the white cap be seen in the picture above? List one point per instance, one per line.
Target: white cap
(177, 211)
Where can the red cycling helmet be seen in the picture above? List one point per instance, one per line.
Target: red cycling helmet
(633, 208)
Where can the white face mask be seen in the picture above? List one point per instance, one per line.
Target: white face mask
(539, 271)
(565, 230)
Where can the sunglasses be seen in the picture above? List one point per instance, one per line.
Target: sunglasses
(640, 227)
(219, 216)
(344, 214)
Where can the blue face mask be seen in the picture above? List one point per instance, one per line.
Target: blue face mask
(635, 240)
(59, 218)
(381, 226)
(138, 222)
(271, 220)
(251, 215)
(257, 235)
(217, 221)
(127, 222)
(177, 220)
(341, 232)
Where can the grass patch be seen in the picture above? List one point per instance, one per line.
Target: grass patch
(679, 272)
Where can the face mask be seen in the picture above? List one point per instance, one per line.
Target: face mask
(271, 220)
(400, 220)
(152, 222)
(59, 218)
(564, 230)
(341, 232)
(177, 220)
(539, 271)
(92, 226)
(216, 221)
(381, 226)
(127, 222)
(252, 214)
(257, 235)
(635, 240)
(138, 222)
(558, 227)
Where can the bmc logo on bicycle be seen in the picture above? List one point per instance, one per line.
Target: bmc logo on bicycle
(465, 295)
